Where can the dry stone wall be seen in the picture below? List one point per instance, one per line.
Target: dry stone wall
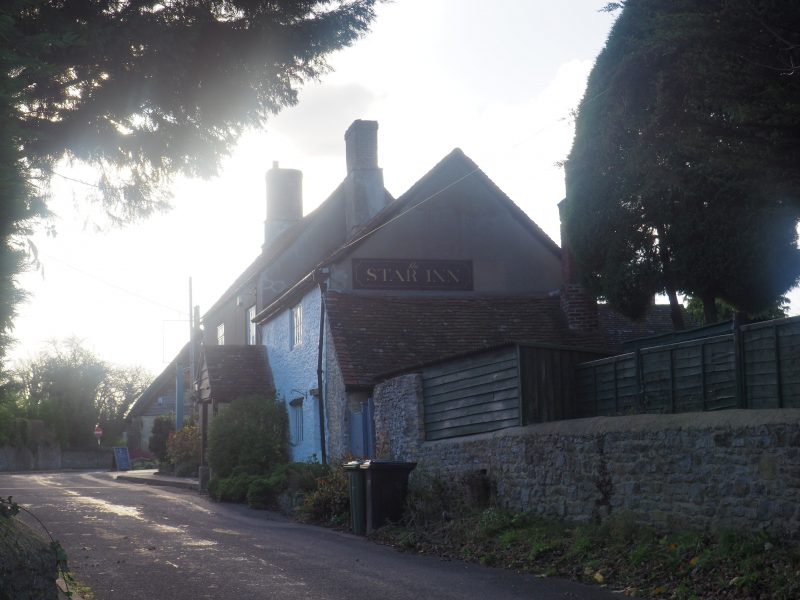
(735, 468)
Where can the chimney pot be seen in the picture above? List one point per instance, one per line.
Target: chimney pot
(284, 201)
(361, 145)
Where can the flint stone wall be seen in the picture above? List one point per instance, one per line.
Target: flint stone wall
(733, 468)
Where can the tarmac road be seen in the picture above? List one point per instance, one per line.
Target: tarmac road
(130, 542)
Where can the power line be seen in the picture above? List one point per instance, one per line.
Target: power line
(115, 286)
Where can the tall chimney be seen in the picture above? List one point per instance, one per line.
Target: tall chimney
(284, 201)
(577, 305)
(365, 195)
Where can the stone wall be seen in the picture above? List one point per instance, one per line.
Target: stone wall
(49, 457)
(337, 417)
(735, 468)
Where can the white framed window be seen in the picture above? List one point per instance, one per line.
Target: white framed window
(221, 334)
(296, 326)
(250, 327)
(296, 421)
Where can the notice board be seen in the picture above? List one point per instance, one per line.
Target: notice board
(122, 460)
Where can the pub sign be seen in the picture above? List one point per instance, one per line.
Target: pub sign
(412, 274)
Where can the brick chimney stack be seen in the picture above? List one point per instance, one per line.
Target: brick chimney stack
(577, 305)
(365, 194)
(284, 201)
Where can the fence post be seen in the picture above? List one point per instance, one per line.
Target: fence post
(637, 365)
(739, 362)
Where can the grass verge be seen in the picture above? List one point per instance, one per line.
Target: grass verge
(637, 559)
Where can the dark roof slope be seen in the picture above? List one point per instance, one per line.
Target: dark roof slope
(236, 371)
(376, 335)
(155, 389)
(327, 218)
(455, 168)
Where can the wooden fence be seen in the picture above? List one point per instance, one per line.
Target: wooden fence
(755, 366)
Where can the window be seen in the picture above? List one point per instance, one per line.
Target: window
(296, 421)
(296, 326)
(250, 327)
(221, 334)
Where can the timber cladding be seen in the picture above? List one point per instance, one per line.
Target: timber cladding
(475, 394)
(506, 387)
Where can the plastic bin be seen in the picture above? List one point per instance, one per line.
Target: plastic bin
(356, 483)
(386, 485)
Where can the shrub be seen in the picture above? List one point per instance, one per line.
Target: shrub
(230, 489)
(163, 426)
(288, 481)
(330, 501)
(263, 492)
(251, 432)
(183, 450)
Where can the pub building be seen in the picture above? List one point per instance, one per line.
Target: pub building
(367, 284)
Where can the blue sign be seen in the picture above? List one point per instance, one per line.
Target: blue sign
(122, 460)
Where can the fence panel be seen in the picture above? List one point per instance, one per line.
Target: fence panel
(771, 359)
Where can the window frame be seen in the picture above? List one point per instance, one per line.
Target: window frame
(296, 326)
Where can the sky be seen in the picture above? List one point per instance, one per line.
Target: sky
(496, 79)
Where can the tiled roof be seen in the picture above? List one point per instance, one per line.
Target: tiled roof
(376, 335)
(619, 330)
(236, 371)
(164, 383)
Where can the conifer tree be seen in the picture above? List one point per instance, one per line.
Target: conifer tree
(142, 90)
(684, 174)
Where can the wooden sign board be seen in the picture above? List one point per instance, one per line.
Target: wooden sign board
(412, 274)
(122, 460)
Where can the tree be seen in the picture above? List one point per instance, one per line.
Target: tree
(71, 389)
(142, 90)
(683, 174)
(726, 312)
(118, 391)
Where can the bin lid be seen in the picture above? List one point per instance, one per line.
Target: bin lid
(388, 464)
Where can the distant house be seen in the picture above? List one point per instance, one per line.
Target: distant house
(157, 400)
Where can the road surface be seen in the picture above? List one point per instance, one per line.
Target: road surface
(131, 542)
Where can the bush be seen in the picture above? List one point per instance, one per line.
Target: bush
(183, 450)
(329, 503)
(263, 492)
(288, 481)
(163, 426)
(230, 489)
(251, 432)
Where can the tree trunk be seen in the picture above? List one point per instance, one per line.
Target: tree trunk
(675, 310)
(709, 309)
(674, 307)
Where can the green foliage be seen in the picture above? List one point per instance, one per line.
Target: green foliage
(141, 91)
(71, 389)
(183, 450)
(230, 489)
(685, 155)
(638, 559)
(726, 312)
(252, 433)
(329, 503)
(163, 428)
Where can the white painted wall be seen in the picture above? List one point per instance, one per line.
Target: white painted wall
(295, 369)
